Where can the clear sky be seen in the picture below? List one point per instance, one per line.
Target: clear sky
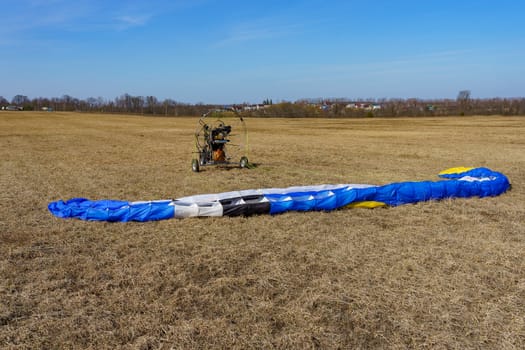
(232, 51)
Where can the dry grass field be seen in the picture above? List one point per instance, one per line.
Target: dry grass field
(436, 275)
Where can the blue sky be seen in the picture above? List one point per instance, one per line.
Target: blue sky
(233, 51)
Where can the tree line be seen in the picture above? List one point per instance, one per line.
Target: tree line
(146, 105)
(412, 107)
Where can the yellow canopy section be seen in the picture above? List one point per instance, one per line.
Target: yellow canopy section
(457, 170)
(366, 204)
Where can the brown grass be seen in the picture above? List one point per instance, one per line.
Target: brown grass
(447, 274)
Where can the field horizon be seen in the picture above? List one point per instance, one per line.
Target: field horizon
(442, 274)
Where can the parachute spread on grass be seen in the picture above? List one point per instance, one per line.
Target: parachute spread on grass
(458, 183)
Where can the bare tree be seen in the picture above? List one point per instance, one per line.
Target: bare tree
(463, 100)
(20, 100)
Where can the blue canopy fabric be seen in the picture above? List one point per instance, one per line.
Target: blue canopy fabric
(112, 210)
(458, 183)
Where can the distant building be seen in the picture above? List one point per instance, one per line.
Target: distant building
(14, 108)
(255, 107)
(364, 105)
